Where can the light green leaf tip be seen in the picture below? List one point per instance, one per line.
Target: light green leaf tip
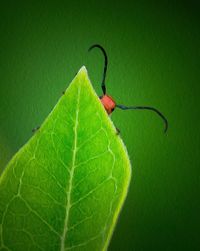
(64, 189)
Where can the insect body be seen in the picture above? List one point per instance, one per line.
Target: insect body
(109, 103)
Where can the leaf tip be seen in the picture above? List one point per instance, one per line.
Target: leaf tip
(83, 70)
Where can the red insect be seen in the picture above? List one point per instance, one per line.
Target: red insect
(109, 103)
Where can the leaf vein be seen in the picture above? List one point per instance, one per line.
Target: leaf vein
(91, 158)
(86, 242)
(68, 206)
(91, 191)
(37, 214)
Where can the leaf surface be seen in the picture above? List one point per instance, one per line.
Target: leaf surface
(63, 190)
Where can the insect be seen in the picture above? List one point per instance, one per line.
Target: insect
(110, 104)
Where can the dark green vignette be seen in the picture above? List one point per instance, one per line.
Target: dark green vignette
(153, 50)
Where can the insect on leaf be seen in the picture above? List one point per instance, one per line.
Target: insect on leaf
(64, 188)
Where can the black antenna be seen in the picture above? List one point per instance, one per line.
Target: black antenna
(146, 108)
(105, 65)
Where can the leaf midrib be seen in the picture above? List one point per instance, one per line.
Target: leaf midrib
(68, 205)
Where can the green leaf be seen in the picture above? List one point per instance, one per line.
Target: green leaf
(64, 189)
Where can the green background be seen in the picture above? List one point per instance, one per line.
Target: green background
(154, 59)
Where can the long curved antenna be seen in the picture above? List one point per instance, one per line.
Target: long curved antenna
(146, 108)
(103, 86)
